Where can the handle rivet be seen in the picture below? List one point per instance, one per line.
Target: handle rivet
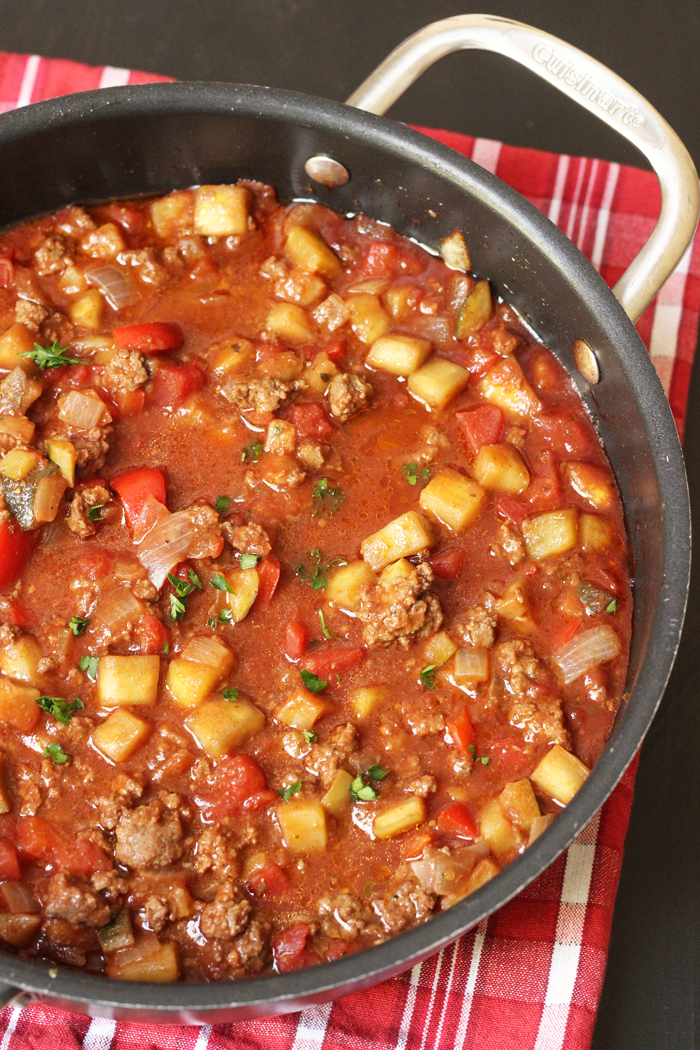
(327, 171)
(586, 361)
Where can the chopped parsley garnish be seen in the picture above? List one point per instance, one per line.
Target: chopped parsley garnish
(221, 583)
(94, 512)
(60, 708)
(276, 432)
(472, 750)
(78, 624)
(56, 753)
(323, 493)
(310, 737)
(178, 601)
(338, 676)
(178, 608)
(312, 682)
(252, 452)
(249, 561)
(230, 694)
(412, 474)
(222, 503)
(89, 665)
(427, 676)
(327, 634)
(361, 791)
(317, 576)
(51, 356)
(293, 789)
(612, 608)
(195, 580)
(166, 648)
(224, 617)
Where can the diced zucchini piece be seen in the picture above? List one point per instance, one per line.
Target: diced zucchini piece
(173, 214)
(245, 584)
(594, 533)
(220, 726)
(86, 312)
(368, 319)
(20, 660)
(281, 437)
(501, 468)
(400, 817)
(189, 683)
(560, 774)
(454, 252)
(307, 250)
(346, 584)
(303, 826)
(221, 211)
(18, 705)
(439, 649)
(319, 373)
(519, 805)
(18, 463)
(302, 709)
(232, 355)
(453, 499)
(476, 311)
(337, 799)
(505, 385)
(63, 454)
(290, 322)
(365, 700)
(18, 929)
(117, 933)
(401, 538)
(592, 484)
(438, 382)
(554, 532)
(17, 340)
(145, 962)
(502, 838)
(483, 873)
(401, 355)
(128, 680)
(121, 734)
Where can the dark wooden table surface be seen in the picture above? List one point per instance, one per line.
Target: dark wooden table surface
(326, 47)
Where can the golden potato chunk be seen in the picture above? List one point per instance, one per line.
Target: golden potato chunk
(302, 709)
(401, 355)
(439, 649)
(346, 584)
(17, 340)
(231, 355)
(594, 533)
(18, 463)
(308, 251)
(221, 726)
(519, 805)
(18, 705)
(501, 468)
(20, 660)
(120, 735)
(401, 538)
(337, 799)
(290, 322)
(86, 312)
(453, 499)
(189, 682)
(365, 700)
(505, 385)
(368, 319)
(221, 211)
(438, 382)
(554, 532)
(400, 817)
(560, 774)
(303, 826)
(592, 484)
(173, 214)
(64, 455)
(502, 838)
(128, 680)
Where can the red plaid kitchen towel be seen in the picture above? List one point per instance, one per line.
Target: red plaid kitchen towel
(530, 976)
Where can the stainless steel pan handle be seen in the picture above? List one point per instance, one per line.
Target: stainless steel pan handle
(594, 87)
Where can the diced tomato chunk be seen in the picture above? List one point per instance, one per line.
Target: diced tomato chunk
(337, 949)
(565, 632)
(512, 509)
(35, 836)
(479, 359)
(289, 949)
(238, 778)
(153, 635)
(93, 564)
(311, 421)
(9, 864)
(480, 426)
(448, 564)
(134, 487)
(269, 880)
(57, 844)
(70, 377)
(269, 571)
(382, 260)
(127, 216)
(336, 349)
(153, 337)
(460, 730)
(7, 273)
(325, 662)
(129, 402)
(457, 820)
(16, 547)
(173, 383)
(544, 491)
(413, 845)
(297, 639)
(564, 433)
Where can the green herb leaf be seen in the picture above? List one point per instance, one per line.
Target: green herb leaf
(56, 753)
(222, 503)
(249, 561)
(412, 474)
(337, 675)
(78, 624)
(472, 750)
(166, 648)
(51, 356)
(326, 632)
(312, 682)
(182, 588)
(221, 583)
(178, 608)
(89, 665)
(293, 789)
(230, 694)
(377, 773)
(612, 608)
(276, 432)
(310, 737)
(361, 791)
(60, 708)
(323, 493)
(252, 452)
(317, 576)
(196, 582)
(94, 512)
(224, 617)
(427, 676)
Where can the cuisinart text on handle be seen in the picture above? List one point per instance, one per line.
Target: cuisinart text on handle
(581, 82)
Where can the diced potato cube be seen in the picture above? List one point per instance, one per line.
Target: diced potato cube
(400, 817)
(337, 799)
(476, 311)
(368, 319)
(18, 929)
(103, 243)
(221, 211)
(302, 287)
(158, 964)
(189, 682)
(220, 726)
(18, 463)
(128, 680)
(401, 355)
(594, 533)
(519, 805)
(332, 313)
(482, 873)
(20, 660)
(539, 826)
(245, 584)
(401, 538)
(72, 280)
(281, 437)
(307, 250)
(47, 497)
(302, 709)
(286, 365)
(438, 382)
(400, 300)
(592, 484)
(560, 774)
(453, 499)
(319, 373)
(502, 838)
(232, 355)
(398, 570)
(18, 427)
(63, 454)
(346, 584)
(86, 312)
(120, 735)
(514, 607)
(289, 322)
(18, 707)
(505, 385)
(501, 468)
(554, 532)
(439, 649)
(303, 826)
(16, 341)
(365, 700)
(454, 252)
(173, 214)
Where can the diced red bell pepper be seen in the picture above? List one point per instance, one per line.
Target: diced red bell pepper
(512, 509)
(544, 491)
(448, 564)
(479, 359)
(460, 730)
(327, 662)
(9, 864)
(457, 820)
(336, 349)
(297, 639)
(289, 949)
(7, 272)
(16, 547)
(413, 845)
(134, 487)
(131, 219)
(480, 426)
(564, 433)
(173, 383)
(153, 635)
(153, 337)
(269, 571)
(269, 880)
(311, 421)
(129, 402)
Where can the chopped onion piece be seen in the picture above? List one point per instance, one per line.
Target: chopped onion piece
(19, 899)
(165, 546)
(118, 608)
(587, 650)
(116, 286)
(207, 650)
(373, 286)
(83, 409)
(436, 329)
(472, 664)
(447, 873)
